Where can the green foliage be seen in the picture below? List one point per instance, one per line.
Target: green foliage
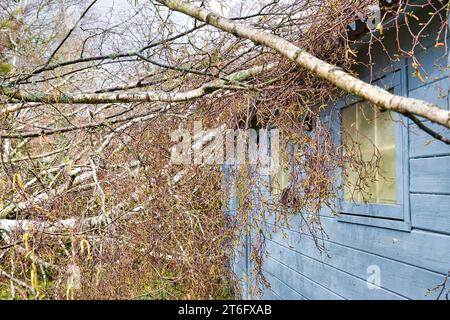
(161, 287)
(7, 24)
(167, 286)
(5, 292)
(5, 68)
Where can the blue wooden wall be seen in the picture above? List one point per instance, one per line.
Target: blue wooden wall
(410, 260)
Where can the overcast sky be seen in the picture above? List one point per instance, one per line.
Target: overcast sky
(119, 6)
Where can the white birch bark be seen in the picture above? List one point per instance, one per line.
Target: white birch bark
(337, 76)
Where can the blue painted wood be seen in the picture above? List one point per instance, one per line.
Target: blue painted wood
(422, 144)
(341, 283)
(296, 281)
(407, 280)
(434, 61)
(382, 56)
(240, 265)
(418, 248)
(382, 64)
(282, 289)
(430, 175)
(431, 212)
(269, 294)
(376, 222)
(436, 92)
(412, 252)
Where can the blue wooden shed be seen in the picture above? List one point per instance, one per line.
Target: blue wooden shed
(396, 248)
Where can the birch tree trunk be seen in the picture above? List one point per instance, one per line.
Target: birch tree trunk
(6, 145)
(337, 76)
(231, 82)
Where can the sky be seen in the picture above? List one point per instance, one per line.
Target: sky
(119, 6)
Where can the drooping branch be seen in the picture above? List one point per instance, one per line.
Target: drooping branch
(335, 75)
(88, 126)
(232, 82)
(428, 130)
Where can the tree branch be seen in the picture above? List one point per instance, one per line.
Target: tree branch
(432, 133)
(127, 97)
(335, 75)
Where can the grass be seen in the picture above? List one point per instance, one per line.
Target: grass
(158, 287)
(162, 287)
(5, 291)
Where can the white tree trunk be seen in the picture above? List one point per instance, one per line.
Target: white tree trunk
(331, 73)
(232, 82)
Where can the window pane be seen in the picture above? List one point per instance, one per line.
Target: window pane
(386, 187)
(349, 125)
(365, 129)
(280, 181)
(371, 130)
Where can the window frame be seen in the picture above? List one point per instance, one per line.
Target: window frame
(269, 178)
(394, 216)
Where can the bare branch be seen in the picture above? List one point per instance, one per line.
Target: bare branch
(320, 68)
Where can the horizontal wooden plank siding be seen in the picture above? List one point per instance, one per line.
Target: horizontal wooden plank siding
(434, 62)
(411, 264)
(404, 279)
(282, 289)
(269, 294)
(430, 175)
(431, 212)
(339, 282)
(422, 145)
(296, 281)
(418, 248)
(436, 92)
(411, 252)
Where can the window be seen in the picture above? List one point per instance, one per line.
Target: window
(279, 182)
(372, 130)
(382, 200)
(281, 177)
